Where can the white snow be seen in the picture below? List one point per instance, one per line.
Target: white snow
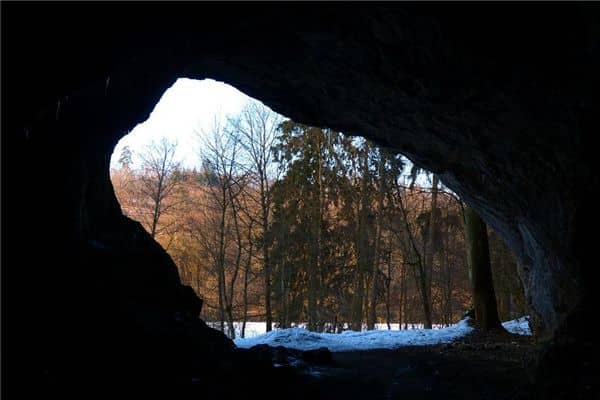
(520, 326)
(302, 339)
(254, 329)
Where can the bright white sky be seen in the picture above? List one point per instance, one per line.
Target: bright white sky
(188, 106)
(185, 109)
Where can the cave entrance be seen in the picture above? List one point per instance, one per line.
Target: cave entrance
(505, 117)
(240, 196)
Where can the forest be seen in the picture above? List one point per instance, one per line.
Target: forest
(287, 224)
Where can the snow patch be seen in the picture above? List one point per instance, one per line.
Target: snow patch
(258, 328)
(520, 326)
(302, 339)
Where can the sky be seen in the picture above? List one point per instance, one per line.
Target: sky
(187, 109)
(189, 106)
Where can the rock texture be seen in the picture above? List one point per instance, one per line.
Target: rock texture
(500, 100)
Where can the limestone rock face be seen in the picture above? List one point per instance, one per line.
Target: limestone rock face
(500, 101)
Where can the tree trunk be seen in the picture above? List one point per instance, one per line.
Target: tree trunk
(158, 199)
(478, 255)
(418, 268)
(373, 290)
(357, 302)
(430, 246)
(156, 211)
(283, 297)
(221, 262)
(366, 300)
(362, 246)
(266, 265)
(312, 295)
(388, 314)
(379, 222)
(427, 324)
(446, 280)
(245, 293)
(284, 281)
(401, 302)
(221, 302)
(238, 260)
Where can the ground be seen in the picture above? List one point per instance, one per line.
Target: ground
(493, 366)
(473, 365)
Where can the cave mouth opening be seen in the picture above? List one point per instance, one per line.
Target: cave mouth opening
(213, 172)
(523, 160)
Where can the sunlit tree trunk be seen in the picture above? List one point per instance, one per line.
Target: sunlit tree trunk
(156, 210)
(237, 264)
(220, 154)
(221, 261)
(257, 125)
(266, 258)
(246, 277)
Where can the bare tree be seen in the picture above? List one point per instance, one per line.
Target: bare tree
(158, 183)
(415, 259)
(257, 126)
(221, 151)
(430, 249)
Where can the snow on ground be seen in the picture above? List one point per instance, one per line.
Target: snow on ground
(254, 329)
(520, 326)
(302, 339)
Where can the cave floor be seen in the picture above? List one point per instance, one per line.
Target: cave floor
(490, 366)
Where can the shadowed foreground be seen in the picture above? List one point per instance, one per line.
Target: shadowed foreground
(492, 367)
